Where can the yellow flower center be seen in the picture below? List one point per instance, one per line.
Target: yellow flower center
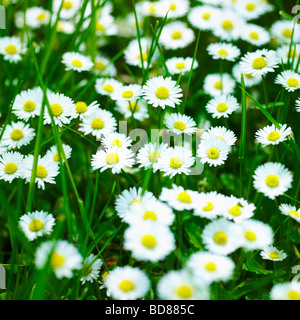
(220, 237)
(67, 5)
(184, 197)
(57, 260)
(29, 106)
(172, 6)
(126, 285)
(235, 211)
(213, 153)
(162, 93)
(223, 52)
(41, 172)
(176, 35)
(97, 124)
(87, 268)
(36, 225)
(99, 65)
(108, 88)
(210, 266)
(133, 106)
(150, 215)
(149, 241)
(259, 63)
(218, 85)
(175, 162)
(41, 16)
(206, 15)
(227, 25)
(127, 94)
(250, 6)
(292, 82)
(250, 235)
(81, 107)
(100, 27)
(152, 8)
(273, 136)
(112, 158)
(17, 134)
(179, 125)
(56, 157)
(294, 295)
(184, 292)
(222, 107)
(254, 35)
(293, 53)
(272, 181)
(180, 65)
(117, 142)
(11, 49)
(144, 55)
(274, 255)
(77, 63)
(56, 109)
(294, 213)
(209, 206)
(287, 33)
(10, 168)
(154, 156)
(249, 75)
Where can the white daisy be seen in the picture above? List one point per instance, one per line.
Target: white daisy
(286, 291)
(12, 49)
(46, 170)
(37, 224)
(66, 27)
(209, 205)
(270, 135)
(272, 179)
(149, 154)
(180, 123)
(174, 8)
(221, 236)
(82, 108)
(11, 166)
(176, 160)
(213, 151)
(90, 269)
(290, 211)
(136, 109)
(64, 258)
(69, 8)
(202, 17)
(104, 67)
(28, 103)
(272, 253)
(148, 8)
(250, 79)
(217, 84)
(98, 123)
(224, 51)
(259, 62)
(222, 106)
(250, 9)
(289, 79)
(162, 92)
(127, 283)
(282, 31)
(149, 241)
(107, 86)
(180, 65)
(255, 35)
(36, 17)
(77, 62)
(116, 139)
(17, 134)
(180, 285)
(286, 53)
(113, 158)
(127, 93)
(208, 267)
(52, 153)
(220, 133)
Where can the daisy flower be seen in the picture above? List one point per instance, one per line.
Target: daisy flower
(221, 236)
(208, 267)
(116, 139)
(289, 79)
(149, 241)
(149, 154)
(209, 205)
(222, 106)
(136, 109)
(213, 151)
(179, 198)
(90, 269)
(103, 66)
(46, 170)
(272, 179)
(224, 51)
(286, 53)
(82, 108)
(64, 258)
(202, 17)
(114, 158)
(11, 166)
(259, 62)
(176, 35)
(37, 224)
(128, 197)
(282, 31)
(250, 9)
(36, 17)
(162, 92)
(180, 123)
(12, 49)
(127, 93)
(107, 86)
(69, 8)
(180, 285)
(28, 103)
(17, 134)
(180, 65)
(77, 62)
(220, 133)
(217, 84)
(176, 160)
(153, 211)
(66, 27)
(62, 109)
(98, 123)
(286, 291)
(270, 135)
(127, 283)
(52, 153)
(174, 8)
(290, 211)
(148, 8)
(272, 253)
(237, 209)
(255, 35)
(250, 79)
